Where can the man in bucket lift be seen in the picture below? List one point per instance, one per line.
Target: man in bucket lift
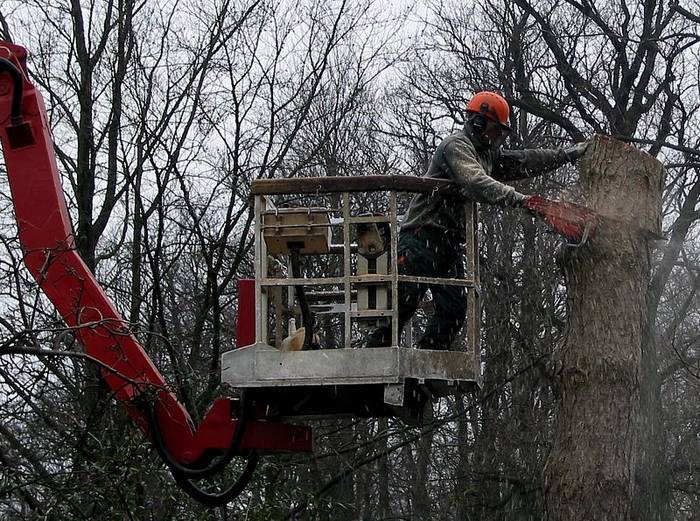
(432, 233)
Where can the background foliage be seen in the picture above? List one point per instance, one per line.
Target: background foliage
(163, 111)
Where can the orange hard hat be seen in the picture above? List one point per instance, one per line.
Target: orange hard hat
(492, 105)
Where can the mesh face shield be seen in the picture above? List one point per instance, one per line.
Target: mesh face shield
(487, 132)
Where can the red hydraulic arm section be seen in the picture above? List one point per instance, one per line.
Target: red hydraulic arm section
(46, 236)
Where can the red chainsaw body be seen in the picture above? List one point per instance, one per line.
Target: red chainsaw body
(573, 221)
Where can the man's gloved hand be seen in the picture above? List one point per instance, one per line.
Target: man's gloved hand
(576, 151)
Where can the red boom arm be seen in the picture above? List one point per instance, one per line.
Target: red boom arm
(49, 253)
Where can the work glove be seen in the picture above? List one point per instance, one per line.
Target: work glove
(570, 220)
(575, 151)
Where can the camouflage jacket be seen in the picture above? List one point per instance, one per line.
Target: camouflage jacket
(479, 176)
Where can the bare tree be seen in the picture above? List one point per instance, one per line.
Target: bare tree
(162, 117)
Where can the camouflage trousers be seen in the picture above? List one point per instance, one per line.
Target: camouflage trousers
(428, 252)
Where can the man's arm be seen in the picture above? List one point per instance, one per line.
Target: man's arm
(521, 164)
(462, 165)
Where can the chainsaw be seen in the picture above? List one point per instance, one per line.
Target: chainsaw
(574, 222)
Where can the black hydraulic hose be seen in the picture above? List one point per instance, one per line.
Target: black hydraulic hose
(306, 316)
(218, 465)
(16, 110)
(183, 474)
(219, 499)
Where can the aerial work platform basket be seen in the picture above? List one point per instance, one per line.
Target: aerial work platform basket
(349, 287)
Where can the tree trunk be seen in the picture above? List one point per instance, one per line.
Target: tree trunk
(590, 471)
(652, 499)
(385, 510)
(420, 492)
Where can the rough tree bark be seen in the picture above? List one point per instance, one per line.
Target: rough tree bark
(590, 471)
